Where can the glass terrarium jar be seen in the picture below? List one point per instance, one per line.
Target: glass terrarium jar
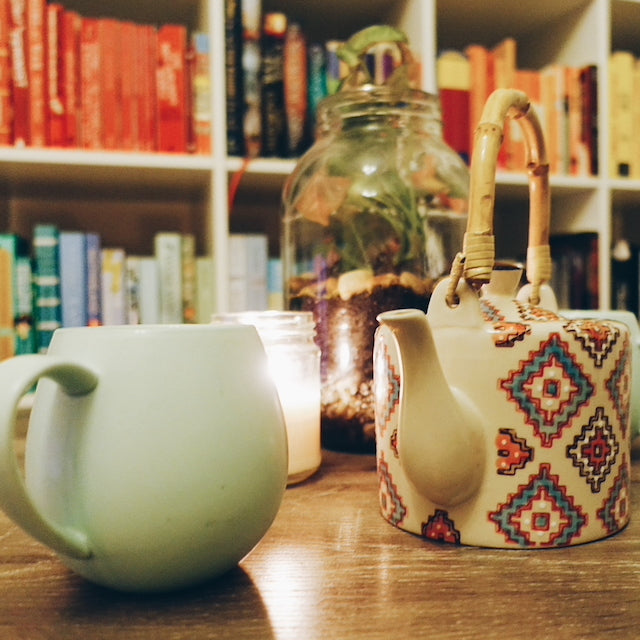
(373, 215)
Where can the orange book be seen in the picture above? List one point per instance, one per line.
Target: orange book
(171, 88)
(454, 87)
(553, 99)
(201, 93)
(70, 47)
(19, 72)
(36, 12)
(55, 115)
(90, 97)
(110, 83)
(481, 85)
(6, 109)
(147, 44)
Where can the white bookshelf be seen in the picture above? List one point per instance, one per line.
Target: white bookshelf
(134, 191)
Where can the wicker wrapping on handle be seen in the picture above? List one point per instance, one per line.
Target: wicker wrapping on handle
(479, 245)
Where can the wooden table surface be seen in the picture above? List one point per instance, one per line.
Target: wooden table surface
(331, 568)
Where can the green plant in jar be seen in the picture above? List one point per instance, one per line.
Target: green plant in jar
(373, 215)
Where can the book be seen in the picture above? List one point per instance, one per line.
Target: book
(93, 263)
(274, 131)
(73, 278)
(147, 47)
(251, 77)
(454, 86)
(46, 282)
(589, 81)
(110, 78)
(71, 77)
(7, 332)
(206, 288)
(579, 163)
(6, 106)
(55, 114)
(336, 69)
(234, 84)
(189, 279)
(168, 253)
(504, 65)
(621, 71)
(248, 272)
(21, 289)
(36, 21)
(171, 88)
(113, 286)
(19, 72)
(553, 96)
(295, 81)
(202, 94)
(90, 86)
(130, 88)
(317, 72)
(143, 301)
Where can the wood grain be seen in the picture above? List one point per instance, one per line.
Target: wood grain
(332, 568)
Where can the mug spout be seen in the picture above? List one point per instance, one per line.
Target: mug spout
(440, 431)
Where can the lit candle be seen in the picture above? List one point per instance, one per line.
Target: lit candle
(294, 364)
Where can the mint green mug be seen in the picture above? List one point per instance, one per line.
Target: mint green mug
(156, 456)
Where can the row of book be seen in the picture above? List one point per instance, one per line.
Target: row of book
(66, 278)
(564, 98)
(625, 276)
(67, 80)
(275, 79)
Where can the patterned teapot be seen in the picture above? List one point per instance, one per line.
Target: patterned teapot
(500, 423)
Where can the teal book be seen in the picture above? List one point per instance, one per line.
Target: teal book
(46, 284)
(21, 290)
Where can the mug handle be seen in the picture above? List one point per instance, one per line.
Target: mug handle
(17, 376)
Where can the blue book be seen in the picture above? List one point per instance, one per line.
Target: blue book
(46, 282)
(73, 278)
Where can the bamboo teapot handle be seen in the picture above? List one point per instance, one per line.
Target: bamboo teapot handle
(477, 259)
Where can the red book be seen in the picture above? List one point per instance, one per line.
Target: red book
(110, 83)
(20, 76)
(70, 47)
(6, 110)
(54, 63)
(454, 86)
(147, 45)
(130, 88)
(36, 43)
(90, 84)
(171, 88)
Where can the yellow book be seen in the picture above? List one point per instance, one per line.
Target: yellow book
(621, 71)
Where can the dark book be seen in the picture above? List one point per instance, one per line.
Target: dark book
(233, 77)
(589, 83)
(274, 130)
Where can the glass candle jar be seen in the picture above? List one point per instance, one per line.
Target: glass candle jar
(373, 215)
(294, 364)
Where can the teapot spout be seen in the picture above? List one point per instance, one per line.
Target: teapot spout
(440, 431)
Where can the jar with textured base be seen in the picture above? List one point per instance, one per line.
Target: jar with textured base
(373, 215)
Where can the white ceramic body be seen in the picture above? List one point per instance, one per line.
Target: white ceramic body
(539, 447)
(169, 471)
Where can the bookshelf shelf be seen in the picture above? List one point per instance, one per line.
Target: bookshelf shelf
(575, 32)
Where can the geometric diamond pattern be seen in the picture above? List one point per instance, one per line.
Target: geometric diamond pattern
(619, 387)
(615, 509)
(597, 337)
(549, 388)
(540, 514)
(594, 450)
(387, 393)
(391, 503)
